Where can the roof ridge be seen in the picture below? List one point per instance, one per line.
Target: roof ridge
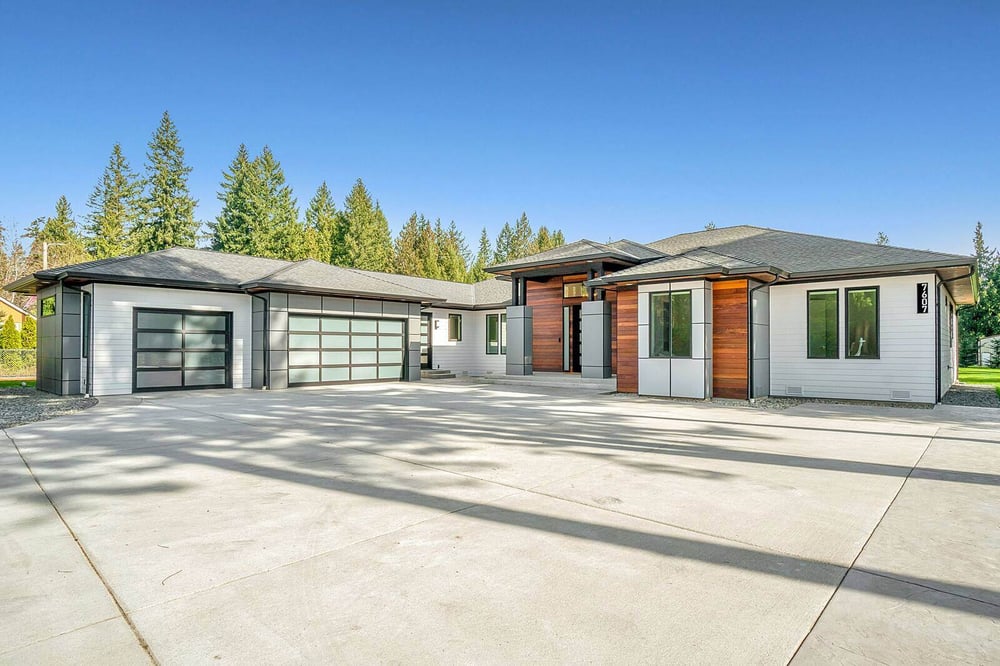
(358, 271)
(267, 276)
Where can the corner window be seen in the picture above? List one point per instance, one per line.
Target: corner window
(47, 307)
(574, 290)
(454, 328)
(862, 322)
(670, 325)
(823, 332)
(496, 334)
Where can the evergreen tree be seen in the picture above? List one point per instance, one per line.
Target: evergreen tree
(504, 249)
(278, 232)
(65, 245)
(29, 333)
(234, 228)
(710, 226)
(322, 225)
(114, 208)
(408, 260)
(477, 272)
(367, 241)
(452, 252)
(167, 218)
(558, 239)
(881, 238)
(10, 337)
(428, 250)
(522, 240)
(983, 318)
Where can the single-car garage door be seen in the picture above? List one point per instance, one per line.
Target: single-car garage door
(181, 349)
(325, 350)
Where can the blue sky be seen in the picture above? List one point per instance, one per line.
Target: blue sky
(604, 119)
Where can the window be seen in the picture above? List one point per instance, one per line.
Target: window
(454, 328)
(48, 306)
(574, 290)
(823, 332)
(862, 322)
(670, 324)
(496, 333)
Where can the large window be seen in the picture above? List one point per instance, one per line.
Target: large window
(823, 330)
(862, 322)
(496, 334)
(454, 328)
(670, 324)
(48, 306)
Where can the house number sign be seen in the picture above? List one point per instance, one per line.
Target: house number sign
(923, 298)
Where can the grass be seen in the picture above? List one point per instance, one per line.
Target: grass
(980, 376)
(10, 383)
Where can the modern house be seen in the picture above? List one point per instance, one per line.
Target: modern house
(738, 312)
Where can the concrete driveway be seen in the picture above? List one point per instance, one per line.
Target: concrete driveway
(460, 522)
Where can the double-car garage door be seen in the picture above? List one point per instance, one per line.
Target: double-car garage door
(323, 350)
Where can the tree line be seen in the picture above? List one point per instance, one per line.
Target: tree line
(132, 213)
(982, 319)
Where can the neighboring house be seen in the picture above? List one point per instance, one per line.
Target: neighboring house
(986, 346)
(738, 312)
(8, 309)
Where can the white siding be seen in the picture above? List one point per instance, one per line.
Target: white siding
(949, 339)
(678, 377)
(467, 357)
(112, 329)
(906, 342)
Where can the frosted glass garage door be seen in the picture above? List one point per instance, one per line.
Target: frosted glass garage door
(326, 350)
(181, 349)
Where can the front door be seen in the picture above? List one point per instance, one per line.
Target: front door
(571, 338)
(426, 347)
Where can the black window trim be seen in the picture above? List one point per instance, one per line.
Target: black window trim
(847, 323)
(41, 306)
(501, 349)
(670, 329)
(836, 292)
(228, 367)
(458, 317)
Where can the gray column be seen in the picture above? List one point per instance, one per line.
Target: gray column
(519, 340)
(595, 339)
(412, 360)
(258, 341)
(277, 351)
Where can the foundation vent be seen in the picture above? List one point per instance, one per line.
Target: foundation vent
(793, 390)
(900, 395)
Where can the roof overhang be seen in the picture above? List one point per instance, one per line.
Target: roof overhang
(618, 258)
(258, 287)
(707, 273)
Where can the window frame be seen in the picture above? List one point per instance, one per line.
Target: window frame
(501, 342)
(41, 307)
(456, 317)
(670, 326)
(809, 355)
(572, 286)
(227, 350)
(847, 322)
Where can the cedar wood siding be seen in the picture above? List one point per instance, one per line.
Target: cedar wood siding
(730, 353)
(628, 339)
(546, 301)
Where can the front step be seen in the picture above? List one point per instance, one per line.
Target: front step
(437, 374)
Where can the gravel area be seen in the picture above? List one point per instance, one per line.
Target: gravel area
(972, 395)
(24, 405)
(780, 403)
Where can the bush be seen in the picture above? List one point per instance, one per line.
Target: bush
(10, 337)
(995, 354)
(29, 333)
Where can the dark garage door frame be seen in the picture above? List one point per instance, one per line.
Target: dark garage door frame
(328, 350)
(184, 351)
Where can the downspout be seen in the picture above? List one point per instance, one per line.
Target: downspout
(267, 342)
(750, 392)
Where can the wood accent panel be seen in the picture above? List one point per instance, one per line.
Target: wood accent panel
(730, 339)
(546, 300)
(611, 297)
(627, 336)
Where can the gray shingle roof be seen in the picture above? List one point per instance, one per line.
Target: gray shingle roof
(582, 250)
(492, 292)
(316, 275)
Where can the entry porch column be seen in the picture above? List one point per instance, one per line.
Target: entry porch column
(595, 339)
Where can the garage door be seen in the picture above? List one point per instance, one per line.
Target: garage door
(325, 350)
(181, 349)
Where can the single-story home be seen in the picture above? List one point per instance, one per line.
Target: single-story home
(738, 312)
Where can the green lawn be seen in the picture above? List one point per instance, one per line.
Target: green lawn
(980, 376)
(7, 383)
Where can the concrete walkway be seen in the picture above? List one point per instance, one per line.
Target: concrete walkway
(460, 522)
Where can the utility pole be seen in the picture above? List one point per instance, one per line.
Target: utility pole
(45, 253)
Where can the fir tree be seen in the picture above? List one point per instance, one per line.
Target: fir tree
(29, 333)
(367, 241)
(277, 232)
(983, 318)
(881, 238)
(504, 249)
(65, 246)
(233, 230)
(477, 272)
(522, 240)
(428, 250)
(558, 239)
(10, 337)
(114, 208)
(452, 252)
(322, 225)
(167, 207)
(408, 260)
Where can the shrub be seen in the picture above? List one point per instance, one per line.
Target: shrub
(29, 333)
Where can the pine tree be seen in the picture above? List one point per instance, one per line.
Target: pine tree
(503, 250)
(322, 225)
(983, 318)
(114, 208)
(408, 260)
(477, 272)
(29, 333)
(367, 241)
(65, 246)
(278, 232)
(558, 239)
(881, 238)
(451, 251)
(167, 207)
(10, 337)
(521, 242)
(233, 230)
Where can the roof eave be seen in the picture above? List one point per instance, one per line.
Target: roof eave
(887, 268)
(251, 287)
(620, 256)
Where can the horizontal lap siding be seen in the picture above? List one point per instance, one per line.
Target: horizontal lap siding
(469, 355)
(907, 343)
(730, 351)
(627, 308)
(112, 329)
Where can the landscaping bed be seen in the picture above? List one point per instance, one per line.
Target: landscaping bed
(24, 404)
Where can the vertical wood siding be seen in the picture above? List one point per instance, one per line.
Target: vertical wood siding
(546, 301)
(730, 352)
(627, 336)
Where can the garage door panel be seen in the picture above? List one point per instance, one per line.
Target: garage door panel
(176, 349)
(324, 349)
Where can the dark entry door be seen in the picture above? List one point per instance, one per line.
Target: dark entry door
(571, 338)
(426, 347)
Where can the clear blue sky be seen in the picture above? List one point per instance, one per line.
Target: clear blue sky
(635, 122)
